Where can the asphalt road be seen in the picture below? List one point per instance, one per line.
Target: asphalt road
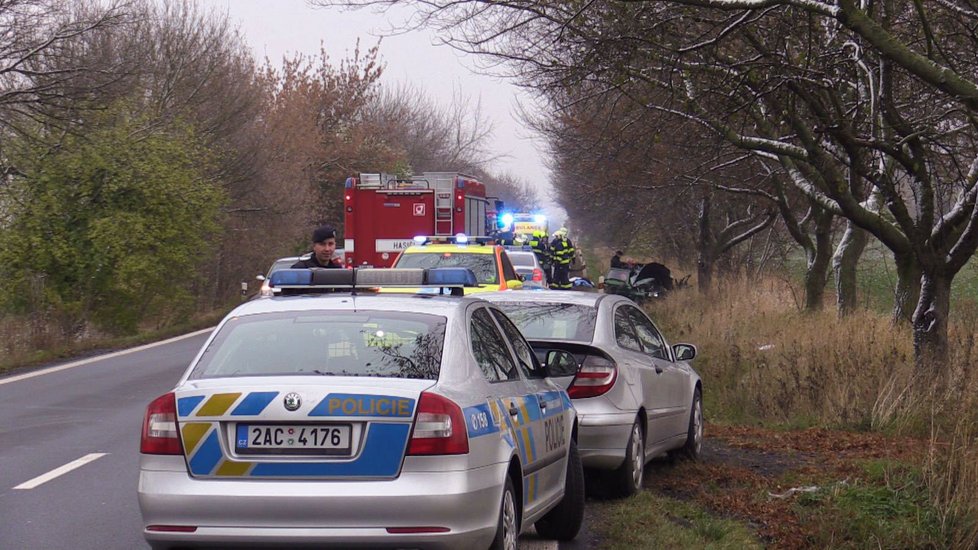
(83, 422)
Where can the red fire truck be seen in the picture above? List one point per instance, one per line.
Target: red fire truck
(383, 213)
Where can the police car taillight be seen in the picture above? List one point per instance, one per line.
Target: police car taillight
(160, 435)
(439, 428)
(595, 377)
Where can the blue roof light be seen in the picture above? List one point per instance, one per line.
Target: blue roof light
(462, 276)
(507, 219)
(287, 277)
(420, 239)
(460, 238)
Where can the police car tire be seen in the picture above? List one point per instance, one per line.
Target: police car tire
(499, 542)
(626, 481)
(564, 521)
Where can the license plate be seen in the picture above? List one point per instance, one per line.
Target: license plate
(293, 439)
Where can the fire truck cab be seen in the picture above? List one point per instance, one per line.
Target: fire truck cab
(383, 213)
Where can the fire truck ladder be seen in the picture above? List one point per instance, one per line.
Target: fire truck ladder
(443, 213)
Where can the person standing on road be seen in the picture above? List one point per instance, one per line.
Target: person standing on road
(562, 251)
(323, 248)
(541, 249)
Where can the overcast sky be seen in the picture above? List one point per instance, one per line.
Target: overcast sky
(275, 28)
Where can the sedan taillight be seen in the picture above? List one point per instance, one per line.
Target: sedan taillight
(537, 275)
(595, 377)
(160, 434)
(439, 428)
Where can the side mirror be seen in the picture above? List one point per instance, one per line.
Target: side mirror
(260, 277)
(684, 352)
(514, 284)
(561, 363)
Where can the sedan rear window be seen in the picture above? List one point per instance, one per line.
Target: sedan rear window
(337, 343)
(547, 321)
(483, 265)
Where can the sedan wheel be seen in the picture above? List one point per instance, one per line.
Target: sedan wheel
(694, 435)
(630, 474)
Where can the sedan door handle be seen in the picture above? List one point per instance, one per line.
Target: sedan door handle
(658, 369)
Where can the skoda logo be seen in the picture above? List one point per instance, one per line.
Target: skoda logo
(292, 401)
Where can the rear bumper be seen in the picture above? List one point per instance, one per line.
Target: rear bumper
(322, 513)
(602, 438)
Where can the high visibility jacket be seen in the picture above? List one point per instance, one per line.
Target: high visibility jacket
(562, 250)
(540, 248)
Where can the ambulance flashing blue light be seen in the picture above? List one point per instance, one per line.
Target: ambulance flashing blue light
(540, 218)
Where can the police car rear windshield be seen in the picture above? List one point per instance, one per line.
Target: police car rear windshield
(383, 344)
(574, 323)
(483, 265)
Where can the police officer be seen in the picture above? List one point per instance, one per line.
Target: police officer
(562, 251)
(323, 248)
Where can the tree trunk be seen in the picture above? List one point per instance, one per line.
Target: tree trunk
(930, 341)
(705, 247)
(908, 287)
(816, 275)
(844, 265)
(704, 273)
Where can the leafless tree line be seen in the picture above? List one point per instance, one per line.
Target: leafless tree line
(855, 111)
(282, 135)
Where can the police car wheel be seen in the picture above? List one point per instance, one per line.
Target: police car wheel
(508, 528)
(564, 521)
(628, 476)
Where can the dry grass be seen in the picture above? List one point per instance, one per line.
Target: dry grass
(765, 362)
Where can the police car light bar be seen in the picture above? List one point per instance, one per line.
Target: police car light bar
(307, 281)
(460, 238)
(450, 276)
(376, 277)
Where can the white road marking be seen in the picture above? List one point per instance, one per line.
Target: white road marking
(99, 358)
(60, 471)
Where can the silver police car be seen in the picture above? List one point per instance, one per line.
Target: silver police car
(333, 416)
(636, 396)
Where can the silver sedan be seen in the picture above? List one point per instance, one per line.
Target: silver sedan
(330, 415)
(637, 397)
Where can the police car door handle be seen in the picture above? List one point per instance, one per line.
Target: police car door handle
(513, 411)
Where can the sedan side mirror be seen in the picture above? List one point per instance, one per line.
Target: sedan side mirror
(684, 352)
(260, 277)
(561, 363)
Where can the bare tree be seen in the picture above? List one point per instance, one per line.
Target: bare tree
(37, 37)
(848, 98)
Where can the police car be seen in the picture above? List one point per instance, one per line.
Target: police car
(333, 415)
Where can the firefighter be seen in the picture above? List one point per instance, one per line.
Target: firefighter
(562, 251)
(541, 248)
(323, 248)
